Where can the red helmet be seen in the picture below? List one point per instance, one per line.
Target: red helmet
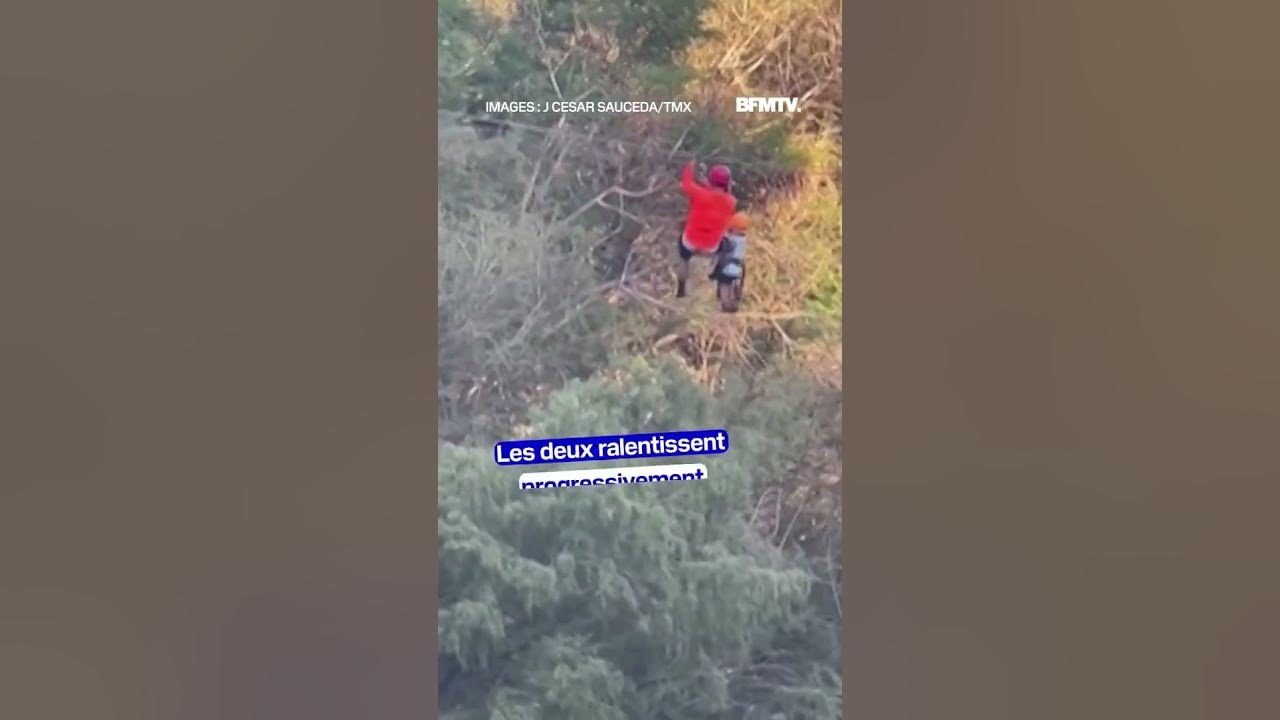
(719, 176)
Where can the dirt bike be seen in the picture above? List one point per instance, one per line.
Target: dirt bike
(730, 273)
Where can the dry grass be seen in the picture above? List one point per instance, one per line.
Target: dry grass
(765, 47)
(501, 11)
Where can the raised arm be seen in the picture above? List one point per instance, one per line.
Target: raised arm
(686, 181)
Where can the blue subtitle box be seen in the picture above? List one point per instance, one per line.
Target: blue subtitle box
(611, 447)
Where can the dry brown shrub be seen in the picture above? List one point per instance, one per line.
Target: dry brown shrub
(769, 47)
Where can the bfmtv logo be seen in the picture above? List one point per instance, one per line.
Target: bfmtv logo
(768, 104)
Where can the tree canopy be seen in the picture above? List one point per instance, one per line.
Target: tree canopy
(649, 601)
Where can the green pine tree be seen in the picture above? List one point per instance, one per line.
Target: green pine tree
(640, 601)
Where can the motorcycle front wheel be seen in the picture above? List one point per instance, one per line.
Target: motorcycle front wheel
(730, 295)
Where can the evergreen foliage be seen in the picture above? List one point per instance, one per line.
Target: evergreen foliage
(640, 601)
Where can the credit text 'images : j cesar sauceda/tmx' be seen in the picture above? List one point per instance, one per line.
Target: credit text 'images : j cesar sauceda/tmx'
(611, 447)
(589, 106)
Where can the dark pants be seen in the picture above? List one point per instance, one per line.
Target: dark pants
(721, 254)
(686, 253)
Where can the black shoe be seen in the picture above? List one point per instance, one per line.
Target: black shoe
(680, 289)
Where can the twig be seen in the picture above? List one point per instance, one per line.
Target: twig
(622, 212)
(754, 513)
(631, 248)
(785, 337)
(680, 141)
(564, 149)
(795, 516)
(773, 316)
(643, 296)
(551, 73)
(595, 201)
(777, 512)
(537, 168)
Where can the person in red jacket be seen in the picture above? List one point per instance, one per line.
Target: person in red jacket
(711, 206)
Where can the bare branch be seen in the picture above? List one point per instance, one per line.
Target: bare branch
(637, 294)
(614, 190)
(679, 141)
(624, 213)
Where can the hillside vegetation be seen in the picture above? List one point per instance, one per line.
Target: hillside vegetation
(715, 599)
